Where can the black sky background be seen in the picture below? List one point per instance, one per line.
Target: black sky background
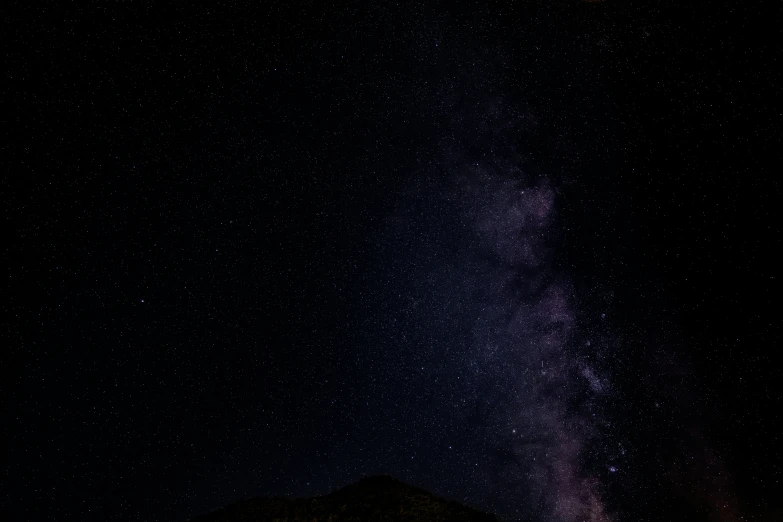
(219, 218)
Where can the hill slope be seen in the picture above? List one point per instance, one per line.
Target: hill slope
(378, 498)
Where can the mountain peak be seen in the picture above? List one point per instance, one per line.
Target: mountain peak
(378, 497)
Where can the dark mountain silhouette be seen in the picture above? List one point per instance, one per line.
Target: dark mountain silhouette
(379, 498)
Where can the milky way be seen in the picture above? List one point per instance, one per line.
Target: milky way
(535, 326)
(535, 392)
(528, 362)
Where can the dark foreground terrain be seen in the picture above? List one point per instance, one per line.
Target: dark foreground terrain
(370, 499)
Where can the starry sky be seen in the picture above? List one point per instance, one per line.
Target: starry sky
(522, 256)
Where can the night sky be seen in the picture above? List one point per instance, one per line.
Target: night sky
(524, 257)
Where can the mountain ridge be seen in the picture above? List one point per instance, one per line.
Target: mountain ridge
(373, 498)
